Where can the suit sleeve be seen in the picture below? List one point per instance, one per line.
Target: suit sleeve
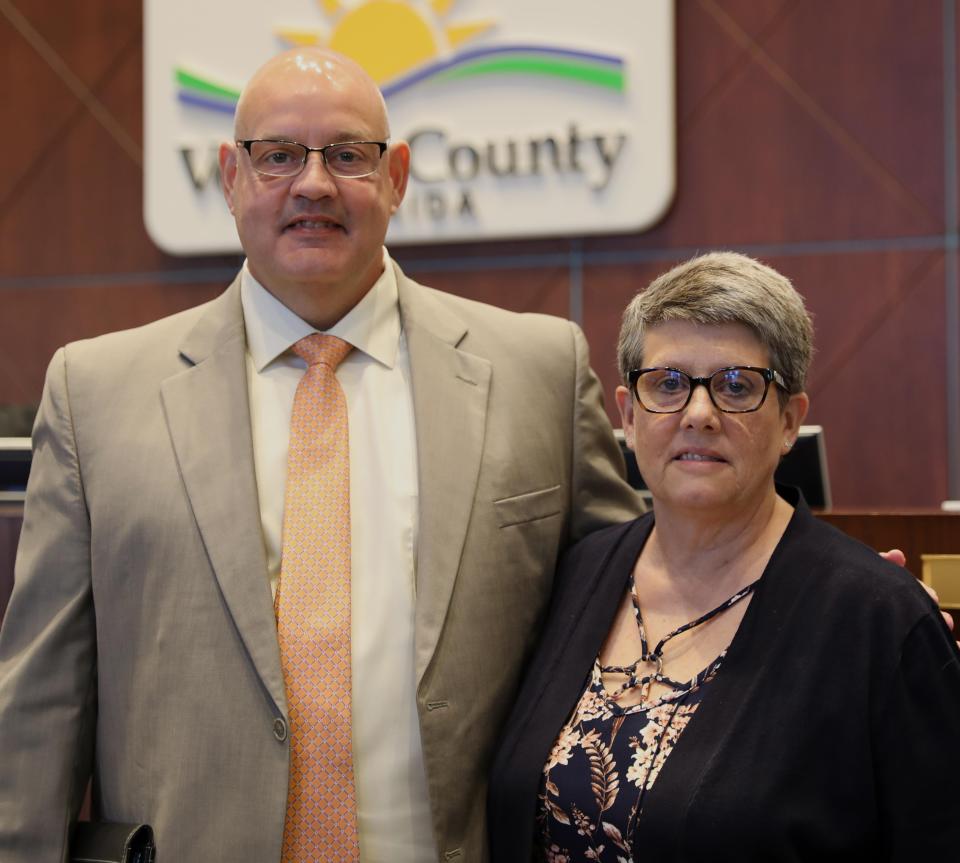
(48, 647)
(600, 495)
(918, 747)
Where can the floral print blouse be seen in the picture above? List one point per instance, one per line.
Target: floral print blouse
(604, 762)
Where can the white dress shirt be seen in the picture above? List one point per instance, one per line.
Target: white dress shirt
(393, 813)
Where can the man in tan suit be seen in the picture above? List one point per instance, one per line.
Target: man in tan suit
(140, 643)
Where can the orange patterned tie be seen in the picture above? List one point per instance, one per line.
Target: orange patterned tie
(313, 613)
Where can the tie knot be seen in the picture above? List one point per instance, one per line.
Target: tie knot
(322, 348)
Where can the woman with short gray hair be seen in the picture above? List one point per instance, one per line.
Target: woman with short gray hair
(728, 678)
(725, 288)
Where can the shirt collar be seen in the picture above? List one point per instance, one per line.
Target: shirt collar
(371, 326)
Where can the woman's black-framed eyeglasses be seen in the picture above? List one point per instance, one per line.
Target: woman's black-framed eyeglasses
(733, 390)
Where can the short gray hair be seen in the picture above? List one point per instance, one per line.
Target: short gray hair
(724, 288)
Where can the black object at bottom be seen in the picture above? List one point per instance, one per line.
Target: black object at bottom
(105, 842)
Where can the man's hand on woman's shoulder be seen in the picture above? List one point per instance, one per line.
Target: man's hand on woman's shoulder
(900, 559)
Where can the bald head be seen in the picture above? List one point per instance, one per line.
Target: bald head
(313, 237)
(309, 70)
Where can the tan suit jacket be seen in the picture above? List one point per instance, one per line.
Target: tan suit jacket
(140, 641)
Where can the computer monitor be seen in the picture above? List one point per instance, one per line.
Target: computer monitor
(15, 456)
(805, 467)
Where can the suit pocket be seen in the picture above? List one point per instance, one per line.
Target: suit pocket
(530, 506)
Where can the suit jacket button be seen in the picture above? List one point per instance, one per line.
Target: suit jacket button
(280, 729)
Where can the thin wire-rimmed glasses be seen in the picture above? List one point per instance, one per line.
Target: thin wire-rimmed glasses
(346, 159)
(733, 390)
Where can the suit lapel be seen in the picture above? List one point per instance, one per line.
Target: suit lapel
(450, 389)
(208, 416)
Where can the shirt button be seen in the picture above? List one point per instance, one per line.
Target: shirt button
(280, 729)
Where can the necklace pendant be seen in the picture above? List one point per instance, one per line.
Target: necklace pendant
(647, 681)
(655, 659)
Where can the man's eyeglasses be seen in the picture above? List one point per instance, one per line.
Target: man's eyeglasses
(733, 390)
(349, 160)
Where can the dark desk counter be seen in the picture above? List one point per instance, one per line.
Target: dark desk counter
(914, 532)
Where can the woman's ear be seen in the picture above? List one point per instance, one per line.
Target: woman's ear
(624, 400)
(794, 413)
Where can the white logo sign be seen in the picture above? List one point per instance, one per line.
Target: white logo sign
(524, 119)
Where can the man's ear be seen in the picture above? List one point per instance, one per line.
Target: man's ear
(227, 157)
(398, 167)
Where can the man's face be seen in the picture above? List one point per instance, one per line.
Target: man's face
(312, 232)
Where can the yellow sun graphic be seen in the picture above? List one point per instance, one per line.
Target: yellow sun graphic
(387, 37)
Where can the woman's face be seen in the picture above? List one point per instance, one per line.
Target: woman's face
(701, 457)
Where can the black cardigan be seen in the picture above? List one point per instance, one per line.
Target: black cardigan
(832, 731)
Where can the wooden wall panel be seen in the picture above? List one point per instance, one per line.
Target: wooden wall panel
(876, 383)
(534, 289)
(708, 62)
(471, 254)
(84, 35)
(887, 103)
(37, 126)
(75, 217)
(42, 319)
(60, 61)
(80, 210)
(811, 133)
(783, 147)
